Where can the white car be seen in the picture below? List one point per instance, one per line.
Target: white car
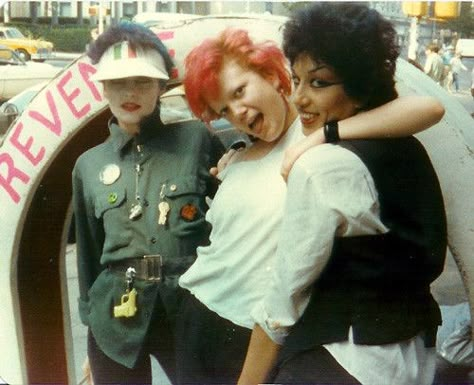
(17, 75)
(465, 47)
(15, 106)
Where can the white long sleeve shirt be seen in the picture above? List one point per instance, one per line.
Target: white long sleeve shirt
(331, 192)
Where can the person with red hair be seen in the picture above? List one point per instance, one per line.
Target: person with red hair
(248, 83)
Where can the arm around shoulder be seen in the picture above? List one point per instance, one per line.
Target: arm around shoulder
(404, 116)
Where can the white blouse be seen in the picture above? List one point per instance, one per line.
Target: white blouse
(230, 275)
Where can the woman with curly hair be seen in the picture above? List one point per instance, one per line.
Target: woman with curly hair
(363, 233)
(248, 83)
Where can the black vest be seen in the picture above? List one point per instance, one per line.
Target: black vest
(380, 284)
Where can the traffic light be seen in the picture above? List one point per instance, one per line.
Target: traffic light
(447, 9)
(440, 9)
(93, 10)
(415, 8)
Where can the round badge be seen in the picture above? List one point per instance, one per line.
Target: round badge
(109, 174)
(189, 212)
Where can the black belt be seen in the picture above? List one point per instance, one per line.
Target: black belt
(148, 267)
(153, 267)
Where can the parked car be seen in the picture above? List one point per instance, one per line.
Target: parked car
(15, 106)
(26, 48)
(465, 47)
(17, 75)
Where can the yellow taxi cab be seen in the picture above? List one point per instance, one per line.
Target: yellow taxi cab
(26, 48)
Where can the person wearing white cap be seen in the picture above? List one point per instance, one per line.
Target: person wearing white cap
(139, 201)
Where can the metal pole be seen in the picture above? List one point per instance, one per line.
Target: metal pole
(413, 42)
(100, 25)
(6, 12)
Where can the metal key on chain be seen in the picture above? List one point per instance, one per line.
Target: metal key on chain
(128, 301)
(163, 208)
(136, 210)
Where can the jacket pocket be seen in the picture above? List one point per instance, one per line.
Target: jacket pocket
(111, 209)
(108, 200)
(187, 203)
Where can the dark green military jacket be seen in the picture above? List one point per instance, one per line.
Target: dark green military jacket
(174, 162)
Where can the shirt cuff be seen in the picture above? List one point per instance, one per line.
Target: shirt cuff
(272, 327)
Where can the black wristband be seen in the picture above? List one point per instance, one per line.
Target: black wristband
(331, 132)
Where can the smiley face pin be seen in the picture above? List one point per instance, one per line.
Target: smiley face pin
(109, 174)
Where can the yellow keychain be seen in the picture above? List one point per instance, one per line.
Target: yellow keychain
(128, 301)
(128, 305)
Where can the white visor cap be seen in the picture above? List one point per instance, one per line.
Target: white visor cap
(122, 61)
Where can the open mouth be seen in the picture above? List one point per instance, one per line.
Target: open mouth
(307, 118)
(256, 124)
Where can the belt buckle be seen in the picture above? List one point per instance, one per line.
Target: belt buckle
(152, 267)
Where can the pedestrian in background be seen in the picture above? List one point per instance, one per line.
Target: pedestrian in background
(139, 202)
(457, 66)
(434, 66)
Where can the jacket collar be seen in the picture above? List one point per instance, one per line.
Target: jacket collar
(121, 139)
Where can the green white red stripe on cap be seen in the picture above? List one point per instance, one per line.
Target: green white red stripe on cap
(122, 61)
(123, 50)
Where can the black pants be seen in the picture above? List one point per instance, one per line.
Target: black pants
(313, 367)
(159, 343)
(212, 350)
(209, 349)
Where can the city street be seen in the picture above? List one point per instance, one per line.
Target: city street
(464, 96)
(62, 59)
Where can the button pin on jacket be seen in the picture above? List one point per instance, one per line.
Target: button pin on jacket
(112, 198)
(109, 174)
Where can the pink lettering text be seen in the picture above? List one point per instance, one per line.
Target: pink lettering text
(25, 148)
(86, 70)
(55, 124)
(69, 98)
(12, 172)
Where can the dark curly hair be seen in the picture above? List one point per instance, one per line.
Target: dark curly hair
(356, 41)
(136, 34)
